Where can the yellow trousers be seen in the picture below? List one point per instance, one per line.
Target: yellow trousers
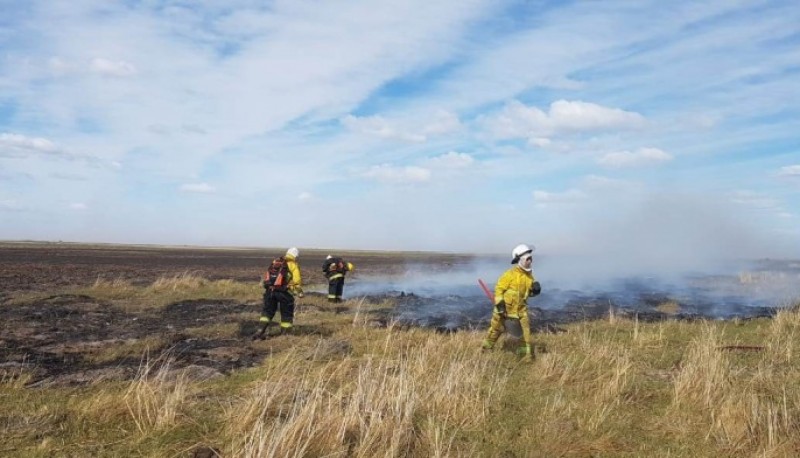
(497, 327)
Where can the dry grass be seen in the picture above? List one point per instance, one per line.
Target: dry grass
(412, 400)
(157, 394)
(614, 387)
(116, 350)
(114, 289)
(168, 289)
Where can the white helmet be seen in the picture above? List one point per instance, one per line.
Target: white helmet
(293, 252)
(328, 257)
(518, 251)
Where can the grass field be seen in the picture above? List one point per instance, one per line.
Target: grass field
(342, 387)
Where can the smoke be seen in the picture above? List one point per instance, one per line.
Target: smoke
(699, 256)
(666, 237)
(450, 297)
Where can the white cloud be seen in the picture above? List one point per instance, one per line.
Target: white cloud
(638, 158)
(585, 116)
(389, 174)
(444, 122)
(600, 183)
(59, 66)
(108, 67)
(569, 196)
(517, 120)
(379, 127)
(16, 145)
(540, 142)
(305, 196)
(80, 206)
(789, 171)
(417, 129)
(451, 160)
(19, 146)
(203, 188)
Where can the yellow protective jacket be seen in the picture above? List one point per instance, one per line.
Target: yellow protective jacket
(514, 287)
(296, 284)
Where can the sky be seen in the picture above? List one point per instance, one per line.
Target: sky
(644, 132)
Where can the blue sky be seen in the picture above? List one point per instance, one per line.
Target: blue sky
(647, 129)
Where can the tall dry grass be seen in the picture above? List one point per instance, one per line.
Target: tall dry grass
(581, 389)
(741, 408)
(156, 395)
(414, 400)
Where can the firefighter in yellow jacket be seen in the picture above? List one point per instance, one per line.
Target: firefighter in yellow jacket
(511, 299)
(281, 283)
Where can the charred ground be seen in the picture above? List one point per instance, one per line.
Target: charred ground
(63, 338)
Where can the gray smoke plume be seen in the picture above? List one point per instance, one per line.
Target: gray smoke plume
(689, 255)
(451, 299)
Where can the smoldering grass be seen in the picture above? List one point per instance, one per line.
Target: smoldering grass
(669, 307)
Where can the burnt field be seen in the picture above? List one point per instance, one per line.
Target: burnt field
(59, 332)
(61, 328)
(45, 267)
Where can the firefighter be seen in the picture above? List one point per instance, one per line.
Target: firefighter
(335, 268)
(511, 300)
(281, 283)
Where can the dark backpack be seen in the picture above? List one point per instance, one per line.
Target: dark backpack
(278, 275)
(334, 265)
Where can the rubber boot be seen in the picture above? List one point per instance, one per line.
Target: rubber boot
(262, 333)
(525, 352)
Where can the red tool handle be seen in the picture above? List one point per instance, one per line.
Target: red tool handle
(486, 291)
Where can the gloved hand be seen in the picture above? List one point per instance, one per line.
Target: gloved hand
(299, 292)
(500, 308)
(536, 288)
